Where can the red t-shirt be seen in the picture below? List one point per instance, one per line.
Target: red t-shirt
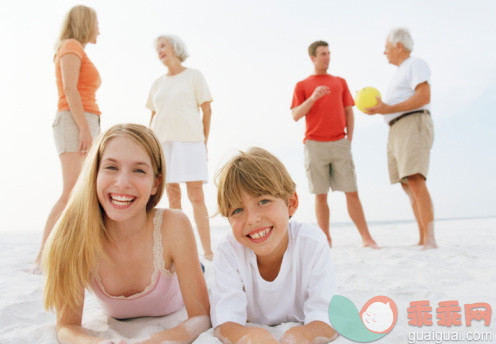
(326, 120)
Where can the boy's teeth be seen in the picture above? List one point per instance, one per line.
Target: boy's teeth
(260, 234)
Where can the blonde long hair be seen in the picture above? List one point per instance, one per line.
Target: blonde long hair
(76, 242)
(78, 24)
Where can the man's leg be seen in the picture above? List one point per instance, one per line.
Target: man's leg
(323, 215)
(415, 212)
(317, 170)
(416, 183)
(355, 210)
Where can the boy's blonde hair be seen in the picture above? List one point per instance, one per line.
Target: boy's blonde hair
(78, 24)
(76, 241)
(256, 172)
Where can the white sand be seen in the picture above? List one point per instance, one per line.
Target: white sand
(463, 269)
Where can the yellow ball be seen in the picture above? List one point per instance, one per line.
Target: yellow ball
(366, 98)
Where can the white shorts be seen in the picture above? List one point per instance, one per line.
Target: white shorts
(185, 161)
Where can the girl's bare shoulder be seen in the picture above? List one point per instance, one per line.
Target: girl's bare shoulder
(176, 227)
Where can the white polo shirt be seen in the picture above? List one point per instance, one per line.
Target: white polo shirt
(301, 292)
(408, 75)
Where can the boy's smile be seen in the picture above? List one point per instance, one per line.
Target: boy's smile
(260, 234)
(261, 223)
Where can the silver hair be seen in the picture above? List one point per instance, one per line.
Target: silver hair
(401, 35)
(177, 44)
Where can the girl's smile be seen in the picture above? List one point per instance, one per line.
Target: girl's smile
(125, 180)
(121, 201)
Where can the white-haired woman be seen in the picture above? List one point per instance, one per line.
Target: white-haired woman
(175, 100)
(77, 121)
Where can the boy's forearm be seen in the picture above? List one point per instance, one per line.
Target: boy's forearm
(230, 332)
(316, 332)
(233, 333)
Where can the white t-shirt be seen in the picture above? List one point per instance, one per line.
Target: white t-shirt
(176, 100)
(301, 292)
(409, 74)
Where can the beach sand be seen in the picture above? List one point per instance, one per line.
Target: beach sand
(463, 268)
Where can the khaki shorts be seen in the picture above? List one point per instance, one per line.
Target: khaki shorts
(330, 164)
(66, 131)
(409, 145)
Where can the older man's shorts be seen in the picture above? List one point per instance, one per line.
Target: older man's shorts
(329, 164)
(66, 131)
(409, 145)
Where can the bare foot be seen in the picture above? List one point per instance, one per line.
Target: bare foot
(329, 242)
(429, 245)
(209, 256)
(371, 244)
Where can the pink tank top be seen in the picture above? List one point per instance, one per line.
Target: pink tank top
(161, 297)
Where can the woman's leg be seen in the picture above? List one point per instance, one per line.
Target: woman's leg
(174, 195)
(71, 168)
(200, 213)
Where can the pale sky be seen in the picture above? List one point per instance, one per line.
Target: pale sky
(252, 54)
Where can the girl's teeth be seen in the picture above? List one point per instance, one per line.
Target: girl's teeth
(120, 203)
(122, 198)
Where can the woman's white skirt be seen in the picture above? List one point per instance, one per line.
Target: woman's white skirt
(185, 161)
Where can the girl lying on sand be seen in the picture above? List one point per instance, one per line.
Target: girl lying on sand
(110, 239)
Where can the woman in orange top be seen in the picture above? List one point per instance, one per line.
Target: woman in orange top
(77, 121)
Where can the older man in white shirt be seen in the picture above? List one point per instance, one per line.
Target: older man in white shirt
(406, 109)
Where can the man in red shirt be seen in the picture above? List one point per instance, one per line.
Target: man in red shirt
(326, 103)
